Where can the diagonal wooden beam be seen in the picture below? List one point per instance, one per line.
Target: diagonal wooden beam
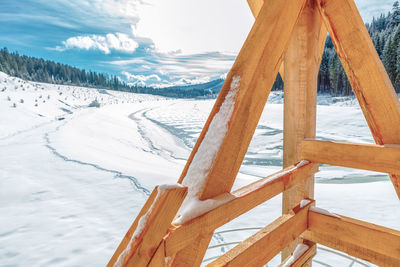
(376, 244)
(360, 156)
(128, 236)
(150, 227)
(219, 151)
(261, 247)
(366, 73)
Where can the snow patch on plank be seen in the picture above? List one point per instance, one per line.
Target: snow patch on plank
(325, 212)
(205, 156)
(304, 203)
(283, 173)
(142, 223)
(297, 253)
(195, 207)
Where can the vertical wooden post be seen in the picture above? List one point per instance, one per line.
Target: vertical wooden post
(300, 99)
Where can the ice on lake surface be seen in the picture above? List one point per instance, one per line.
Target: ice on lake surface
(73, 178)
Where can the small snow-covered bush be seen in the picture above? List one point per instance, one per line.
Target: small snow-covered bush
(94, 104)
(21, 101)
(8, 98)
(14, 105)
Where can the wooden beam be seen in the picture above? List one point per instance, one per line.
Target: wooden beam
(369, 80)
(305, 258)
(151, 227)
(359, 156)
(255, 7)
(245, 199)
(376, 244)
(261, 247)
(302, 62)
(244, 94)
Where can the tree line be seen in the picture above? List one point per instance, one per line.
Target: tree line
(40, 70)
(385, 35)
(384, 32)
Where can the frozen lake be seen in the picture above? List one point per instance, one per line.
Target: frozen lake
(73, 178)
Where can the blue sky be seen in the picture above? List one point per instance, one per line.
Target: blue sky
(146, 42)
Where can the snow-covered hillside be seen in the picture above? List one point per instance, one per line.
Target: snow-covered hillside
(73, 177)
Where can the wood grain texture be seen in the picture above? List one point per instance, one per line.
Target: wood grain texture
(261, 247)
(366, 73)
(376, 244)
(302, 62)
(359, 156)
(158, 258)
(128, 235)
(245, 199)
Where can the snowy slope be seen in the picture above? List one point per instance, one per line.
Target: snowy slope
(73, 178)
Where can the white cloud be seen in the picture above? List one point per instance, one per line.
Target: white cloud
(140, 79)
(118, 41)
(195, 26)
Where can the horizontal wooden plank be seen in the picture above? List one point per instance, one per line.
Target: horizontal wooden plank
(261, 247)
(376, 244)
(244, 200)
(359, 156)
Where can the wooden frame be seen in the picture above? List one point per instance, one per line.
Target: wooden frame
(293, 31)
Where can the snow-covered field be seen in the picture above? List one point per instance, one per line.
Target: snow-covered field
(73, 177)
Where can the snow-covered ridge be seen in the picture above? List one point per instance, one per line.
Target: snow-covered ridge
(25, 104)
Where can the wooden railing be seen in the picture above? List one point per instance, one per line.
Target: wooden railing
(288, 33)
(159, 240)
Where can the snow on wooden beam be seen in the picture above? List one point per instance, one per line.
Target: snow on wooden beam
(303, 253)
(366, 73)
(144, 236)
(376, 244)
(359, 156)
(243, 200)
(261, 247)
